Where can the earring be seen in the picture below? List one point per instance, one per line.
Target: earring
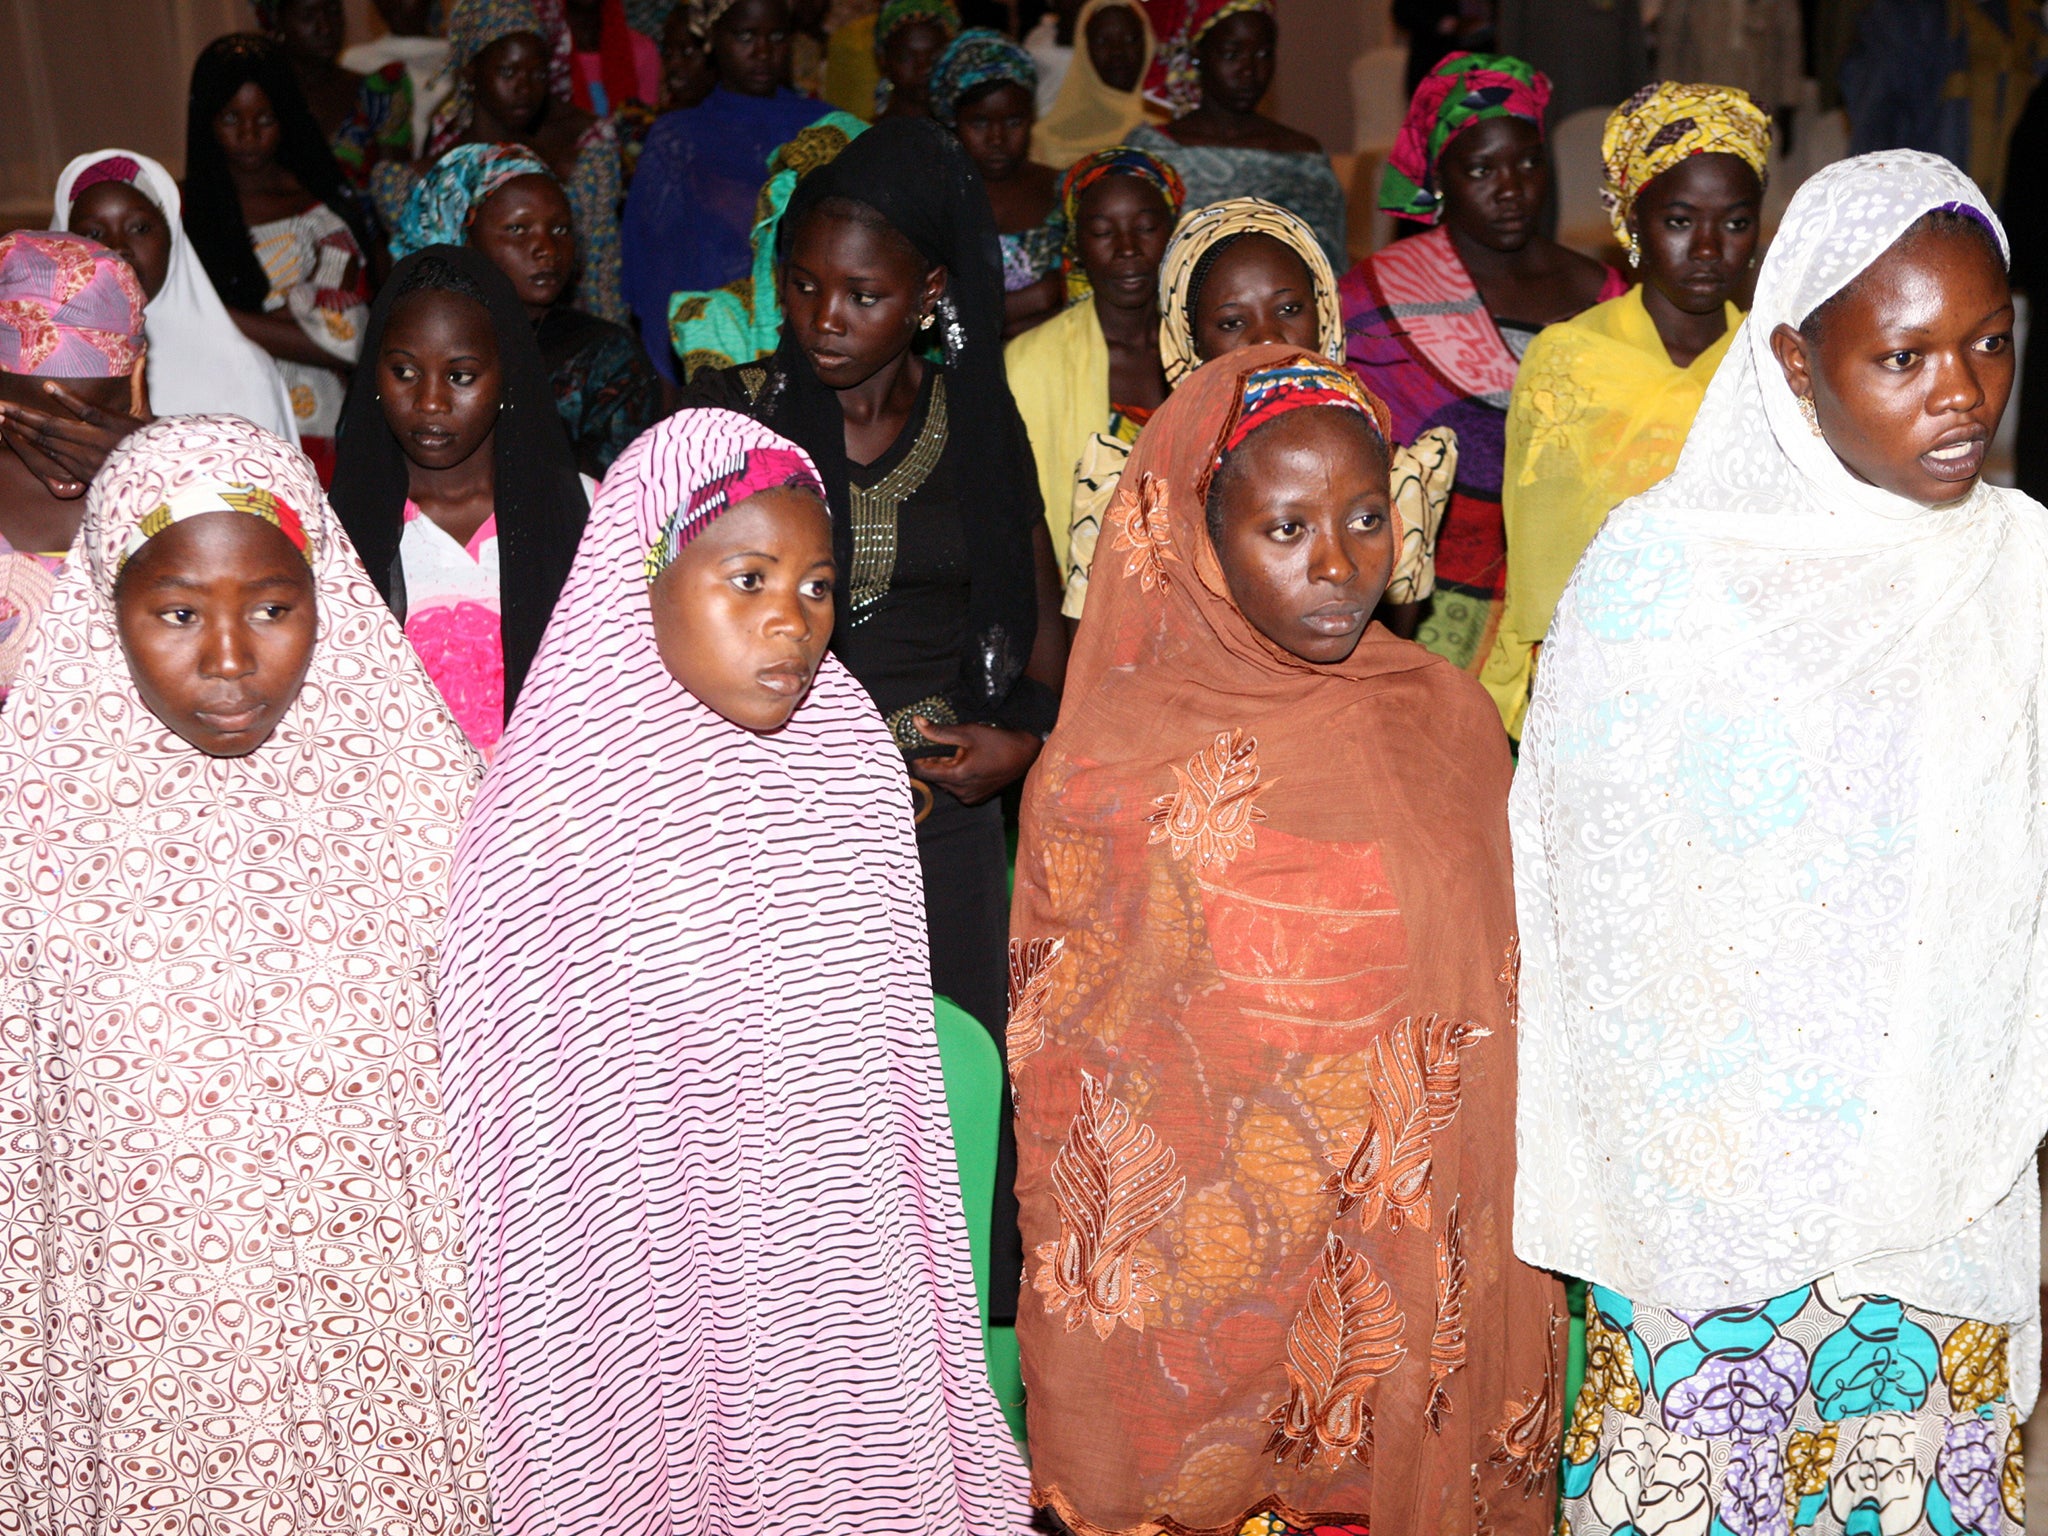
(926, 323)
(1811, 413)
(1635, 256)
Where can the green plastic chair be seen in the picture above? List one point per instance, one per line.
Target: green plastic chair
(974, 1102)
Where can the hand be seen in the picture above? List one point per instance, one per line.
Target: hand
(986, 759)
(64, 448)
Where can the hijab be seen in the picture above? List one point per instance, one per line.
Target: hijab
(69, 308)
(540, 504)
(667, 1099)
(1463, 89)
(976, 58)
(442, 202)
(237, 955)
(473, 26)
(1118, 160)
(1780, 844)
(1206, 234)
(1086, 115)
(213, 210)
(1665, 123)
(199, 362)
(1174, 79)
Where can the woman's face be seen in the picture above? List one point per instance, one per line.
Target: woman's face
(686, 73)
(1494, 179)
(994, 124)
(116, 214)
(510, 79)
(750, 47)
(311, 29)
(526, 229)
(854, 294)
(247, 130)
(1116, 46)
(1912, 365)
(438, 377)
(1696, 226)
(742, 617)
(1122, 226)
(1258, 290)
(217, 619)
(1235, 61)
(1305, 533)
(910, 53)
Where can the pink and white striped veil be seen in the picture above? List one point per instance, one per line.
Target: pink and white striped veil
(720, 1271)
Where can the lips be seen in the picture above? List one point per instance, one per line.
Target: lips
(785, 679)
(1957, 458)
(1336, 619)
(230, 720)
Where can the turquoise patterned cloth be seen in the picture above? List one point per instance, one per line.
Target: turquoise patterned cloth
(1301, 182)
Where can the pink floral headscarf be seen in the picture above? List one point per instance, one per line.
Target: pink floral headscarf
(69, 307)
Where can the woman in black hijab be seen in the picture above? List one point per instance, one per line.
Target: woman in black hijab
(890, 375)
(456, 481)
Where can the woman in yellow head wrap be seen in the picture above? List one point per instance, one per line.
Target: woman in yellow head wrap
(1603, 401)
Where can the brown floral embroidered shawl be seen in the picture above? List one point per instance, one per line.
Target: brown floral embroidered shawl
(1262, 1037)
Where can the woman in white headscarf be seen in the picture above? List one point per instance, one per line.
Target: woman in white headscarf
(1781, 844)
(199, 362)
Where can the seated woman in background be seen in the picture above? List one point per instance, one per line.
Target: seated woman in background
(1219, 66)
(1101, 100)
(691, 209)
(1603, 401)
(367, 118)
(507, 204)
(909, 37)
(451, 440)
(981, 89)
(276, 227)
(1436, 325)
(1264, 1048)
(1095, 366)
(200, 363)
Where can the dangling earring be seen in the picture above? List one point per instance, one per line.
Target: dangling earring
(1635, 256)
(926, 323)
(1811, 413)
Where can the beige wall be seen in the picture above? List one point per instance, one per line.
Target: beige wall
(1318, 41)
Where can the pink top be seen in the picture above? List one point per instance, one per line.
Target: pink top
(452, 620)
(26, 581)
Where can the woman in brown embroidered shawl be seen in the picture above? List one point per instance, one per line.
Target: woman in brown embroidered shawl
(1262, 1032)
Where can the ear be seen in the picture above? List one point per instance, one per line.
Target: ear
(934, 287)
(138, 385)
(1790, 349)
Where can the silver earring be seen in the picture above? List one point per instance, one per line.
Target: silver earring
(1811, 413)
(1635, 256)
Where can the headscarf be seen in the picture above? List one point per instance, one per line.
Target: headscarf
(1174, 78)
(1780, 829)
(742, 321)
(1206, 234)
(1087, 115)
(540, 504)
(443, 200)
(237, 955)
(473, 26)
(1237, 980)
(199, 361)
(746, 472)
(916, 175)
(897, 14)
(977, 57)
(1665, 123)
(69, 307)
(1122, 160)
(213, 210)
(665, 1104)
(1463, 89)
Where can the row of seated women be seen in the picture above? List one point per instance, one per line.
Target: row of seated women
(573, 1157)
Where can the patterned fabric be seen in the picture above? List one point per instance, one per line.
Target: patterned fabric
(1812, 1411)
(473, 25)
(442, 202)
(69, 307)
(317, 277)
(896, 14)
(1262, 1047)
(1035, 253)
(1086, 114)
(704, 14)
(454, 619)
(231, 1242)
(26, 581)
(378, 128)
(1300, 181)
(1085, 173)
(1059, 377)
(1665, 123)
(1270, 393)
(1804, 707)
(606, 391)
(721, 1273)
(1463, 89)
(977, 57)
(197, 498)
(1174, 78)
(726, 484)
(1202, 235)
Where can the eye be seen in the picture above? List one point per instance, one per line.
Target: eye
(404, 373)
(818, 589)
(1291, 307)
(1230, 323)
(1286, 531)
(1677, 221)
(270, 613)
(179, 618)
(462, 378)
(1368, 520)
(867, 300)
(748, 581)
(1993, 345)
(1899, 362)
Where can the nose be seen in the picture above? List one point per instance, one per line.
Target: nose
(1263, 330)
(432, 398)
(1705, 245)
(1957, 389)
(226, 652)
(1330, 563)
(787, 618)
(832, 314)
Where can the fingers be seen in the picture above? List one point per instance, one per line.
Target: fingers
(63, 483)
(83, 410)
(47, 450)
(944, 735)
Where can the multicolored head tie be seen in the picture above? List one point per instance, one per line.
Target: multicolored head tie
(975, 58)
(443, 201)
(1179, 66)
(1118, 160)
(1296, 386)
(745, 474)
(204, 496)
(1463, 89)
(1665, 123)
(69, 307)
(895, 15)
(120, 168)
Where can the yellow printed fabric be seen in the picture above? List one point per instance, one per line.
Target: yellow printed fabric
(1598, 414)
(1059, 373)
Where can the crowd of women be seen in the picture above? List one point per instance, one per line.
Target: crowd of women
(512, 657)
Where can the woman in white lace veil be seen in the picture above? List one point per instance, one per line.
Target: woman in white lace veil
(1781, 844)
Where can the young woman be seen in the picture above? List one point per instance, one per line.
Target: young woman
(691, 209)
(1603, 401)
(367, 118)
(230, 1177)
(981, 89)
(1101, 99)
(275, 226)
(721, 1275)
(507, 204)
(1779, 847)
(1263, 1046)
(199, 362)
(1218, 67)
(1096, 365)
(1437, 325)
(456, 482)
(909, 37)
(947, 598)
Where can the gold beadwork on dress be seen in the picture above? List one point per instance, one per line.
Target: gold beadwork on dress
(874, 510)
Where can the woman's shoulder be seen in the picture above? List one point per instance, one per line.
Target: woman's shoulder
(749, 388)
